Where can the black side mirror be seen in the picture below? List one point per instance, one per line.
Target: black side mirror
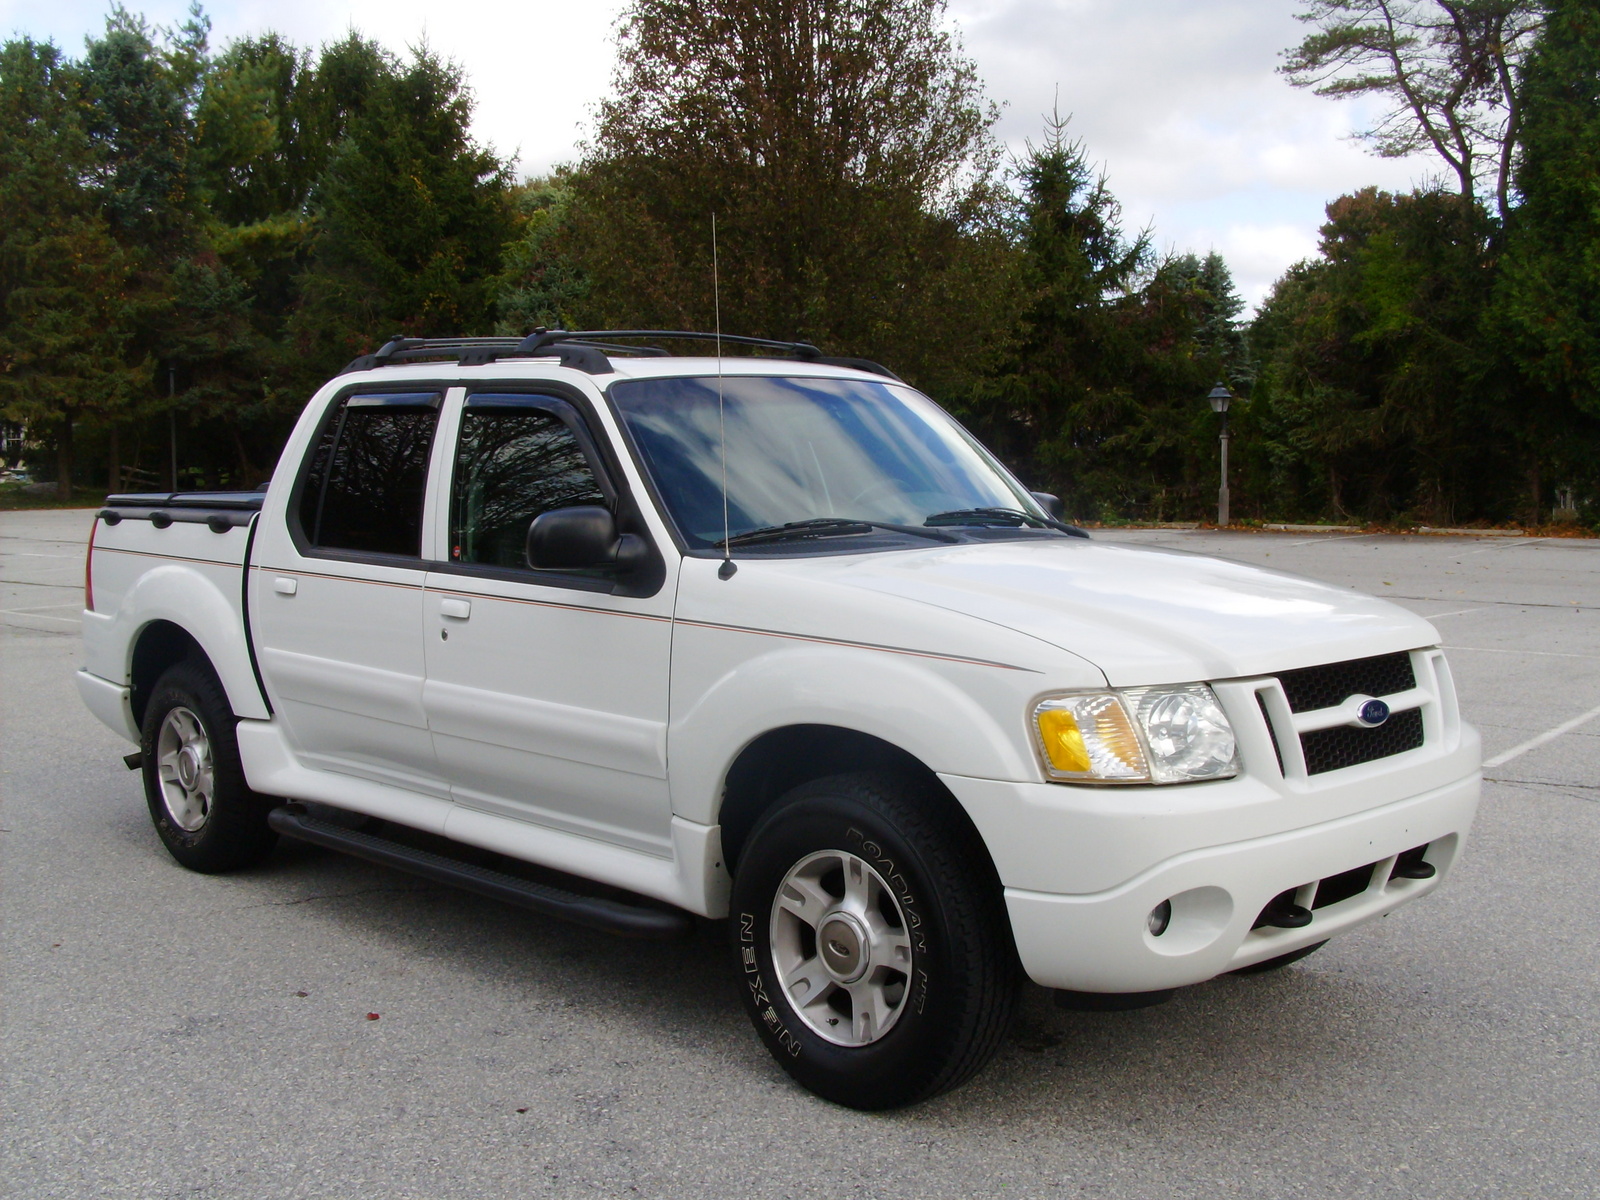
(583, 537)
(1051, 504)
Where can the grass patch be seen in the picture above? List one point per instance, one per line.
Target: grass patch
(14, 496)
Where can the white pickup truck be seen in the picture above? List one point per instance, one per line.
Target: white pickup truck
(769, 638)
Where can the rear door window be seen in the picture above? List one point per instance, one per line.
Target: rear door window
(368, 477)
(517, 457)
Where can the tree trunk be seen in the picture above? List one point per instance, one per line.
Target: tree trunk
(1534, 489)
(114, 460)
(64, 460)
(249, 473)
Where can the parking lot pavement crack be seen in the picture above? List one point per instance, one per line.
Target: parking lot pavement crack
(1569, 607)
(1566, 789)
(1537, 653)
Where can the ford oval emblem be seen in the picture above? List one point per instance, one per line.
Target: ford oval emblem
(1374, 713)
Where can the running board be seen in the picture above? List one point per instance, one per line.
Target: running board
(611, 916)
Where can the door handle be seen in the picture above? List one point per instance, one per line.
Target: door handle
(285, 587)
(459, 609)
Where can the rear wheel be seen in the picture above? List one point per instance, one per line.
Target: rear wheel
(873, 943)
(203, 810)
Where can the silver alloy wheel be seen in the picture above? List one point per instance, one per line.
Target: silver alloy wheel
(184, 764)
(840, 948)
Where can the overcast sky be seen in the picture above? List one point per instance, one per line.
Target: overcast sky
(1177, 98)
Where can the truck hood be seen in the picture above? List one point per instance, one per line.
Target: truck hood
(1144, 615)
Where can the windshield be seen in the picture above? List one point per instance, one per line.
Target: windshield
(806, 450)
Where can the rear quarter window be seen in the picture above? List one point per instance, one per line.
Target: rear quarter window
(367, 478)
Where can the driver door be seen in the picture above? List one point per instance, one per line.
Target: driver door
(545, 692)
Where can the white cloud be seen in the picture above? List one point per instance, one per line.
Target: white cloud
(1179, 99)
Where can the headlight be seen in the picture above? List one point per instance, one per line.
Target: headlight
(1141, 735)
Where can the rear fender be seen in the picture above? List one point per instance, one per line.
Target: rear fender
(193, 601)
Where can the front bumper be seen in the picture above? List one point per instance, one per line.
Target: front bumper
(1100, 942)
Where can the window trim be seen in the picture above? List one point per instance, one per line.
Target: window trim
(429, 394)
(575, 410)
(563, 411)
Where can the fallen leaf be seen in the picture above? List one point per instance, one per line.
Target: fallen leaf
(522, 1110)
(372, 1016)
(302, 995)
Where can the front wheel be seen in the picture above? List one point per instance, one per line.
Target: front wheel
(873, 944)
(203, 809)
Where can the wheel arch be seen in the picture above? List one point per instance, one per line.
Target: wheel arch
(159, 646)
(782, 759)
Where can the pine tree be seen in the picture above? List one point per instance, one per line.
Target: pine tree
(1552, 276)
(1063, 394)
(65, 320)
(412, 218)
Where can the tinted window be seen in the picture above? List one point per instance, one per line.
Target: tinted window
(512, 463)
(365, 487)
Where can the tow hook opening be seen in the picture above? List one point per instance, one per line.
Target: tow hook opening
(1282, 912)
(1410, 865)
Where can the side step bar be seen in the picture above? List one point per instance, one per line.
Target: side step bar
(611, 916)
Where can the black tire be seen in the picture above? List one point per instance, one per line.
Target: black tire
(933, 877)
(1283, 960)
(220, 824)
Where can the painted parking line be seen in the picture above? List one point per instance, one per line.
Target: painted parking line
(37, 616)
(1534, 743)
(1327, 538)
(1535, 653)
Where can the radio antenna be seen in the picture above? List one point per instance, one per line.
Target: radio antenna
(726, 570)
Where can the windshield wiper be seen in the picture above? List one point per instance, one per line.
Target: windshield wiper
(1005, 518)
(821, 527)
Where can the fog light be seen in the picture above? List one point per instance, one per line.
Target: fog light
(1160, 917)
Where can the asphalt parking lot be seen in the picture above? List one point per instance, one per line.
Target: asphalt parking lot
(167, 1034)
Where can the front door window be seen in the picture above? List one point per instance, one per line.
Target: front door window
(513, 462)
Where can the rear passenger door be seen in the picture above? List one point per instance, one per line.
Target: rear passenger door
(337, 604)
(546, 691)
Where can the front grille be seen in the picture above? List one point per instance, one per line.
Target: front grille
(1311, 688)
(1347, 745)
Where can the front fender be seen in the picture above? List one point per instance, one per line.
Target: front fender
(924, 710)
(202, 600)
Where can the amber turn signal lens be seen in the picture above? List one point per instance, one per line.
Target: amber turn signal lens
(1063, 742)
(1090, 737)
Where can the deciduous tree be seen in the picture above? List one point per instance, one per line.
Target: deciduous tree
(845, 148)
(1446, 69)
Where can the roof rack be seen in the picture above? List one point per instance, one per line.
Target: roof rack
(583, 349)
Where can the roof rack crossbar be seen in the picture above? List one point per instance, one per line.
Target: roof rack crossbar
(540, 338)
(584, 349)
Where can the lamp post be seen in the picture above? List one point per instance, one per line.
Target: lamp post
(1220, 397)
